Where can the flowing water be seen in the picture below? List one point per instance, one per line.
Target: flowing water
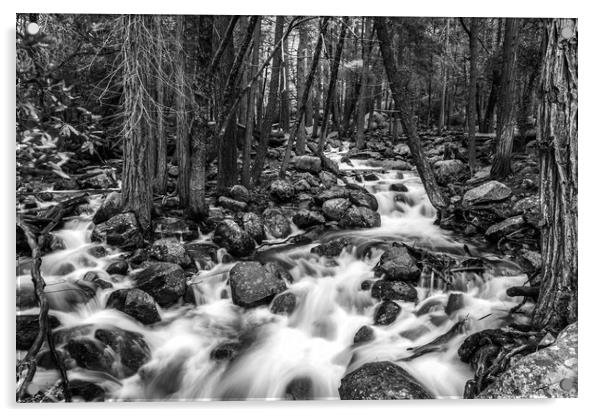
(315, 343)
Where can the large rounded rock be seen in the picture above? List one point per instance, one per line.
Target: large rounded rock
(489, 192)
(135, 303)
(240, 193)
(361, 197)
(386, 313)
(170, 250)
(308, 163)
(165, 282)
(394, 290)
(228, 234)
(110, 207)
(333, 192)
(396, 264)
(360, 218)
(282, 191)
(231, 204)
(381, 381)
(252, 285)
(335, 208)
(308, 218)
(121, 230)
(253, 225)
(551, 372)
(277, 225)
(448, 170)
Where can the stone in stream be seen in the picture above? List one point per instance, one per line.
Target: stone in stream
(170, 250)
(550, 372)
(308, 163)
(121, 230)
(489, 192)
(27, 329)
(203, 254)
(251, 284)
(231, 204)
(362, 197)
(277, 225)
(135, 303)
(299, 389)
(94, 278)
(228, 234)
(130, 347)
(252, 224)
(360, 218)
(110, 206)
(282, 191)
(98, 181)
(308, 218)
(335, 208)
(284, 304)
(386, 313)
(164, 281)
(396, 264)
(97, 251)
(449, 170)
(381, 381)
(504, 228)
(331, 248)
(225, 351)
(399, 187)
(118, 267)
(394, 290)
(365, 334)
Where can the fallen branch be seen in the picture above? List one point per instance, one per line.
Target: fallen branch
(26, 368)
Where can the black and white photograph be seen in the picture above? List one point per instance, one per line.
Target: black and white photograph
(230, 207)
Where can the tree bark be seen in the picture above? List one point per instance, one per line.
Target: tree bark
(246, 159)
(441, 124)
(182, 140)
(502, 161)
(301, 62)
(406, 118)
(472, 92)
(161, 165)
(557, 137)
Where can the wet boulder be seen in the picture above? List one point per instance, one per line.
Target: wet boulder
(335, 208)
(399, 187)
(331, 248)
(332, 193)
(360, 218)
(231, 204)
(504, 228)
(282, 191)
(308, 218)
(121, 230)
(239, 193)
(28, 327)
(284, 304)
(394, 290)
(386, 313)
(91, 354)
(170, 250)
(110, 207)
(118, 267)
(365, 334)
(135, 303)
(362, 197)
(550, 372)
(130, 347)
(449, 170)
(381, 381)
(276, 223)
(299, 389)
(165, 282)
(489, 192)
(279, 270)
(308, 163)
(253, 225)
(228, 234)
(252, 285)
(225, 351)
(396, 264)
(95, 279)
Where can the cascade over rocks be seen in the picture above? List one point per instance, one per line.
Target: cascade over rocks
(252, 285)
(176, 228)
(165, 282)
(136, 303)
(228, 234)
(381, 381)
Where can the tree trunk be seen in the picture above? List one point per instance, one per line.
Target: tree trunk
(301, 52)
(266, 125)
(363, 98)
(246, 160)
(161, 165)
(182, 140)
(285, 112)
(441, 124)
(406, 118)
(502, 161)
(472, 92)
(557, 137)
(330, 96)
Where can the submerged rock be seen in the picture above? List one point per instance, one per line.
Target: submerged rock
(360, 218)
(491, 191)
(381, 381)
(365, 334)
(284, 304)
(550, 372)
(228, 234)
(396, 264)
(386, 313)
(121, 230)
(251, 284)
(164, 281)
(277, 225)
(136, 303)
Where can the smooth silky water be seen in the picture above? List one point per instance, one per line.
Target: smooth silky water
(314, 343)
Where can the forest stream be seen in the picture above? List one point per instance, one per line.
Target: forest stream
(218, 350)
